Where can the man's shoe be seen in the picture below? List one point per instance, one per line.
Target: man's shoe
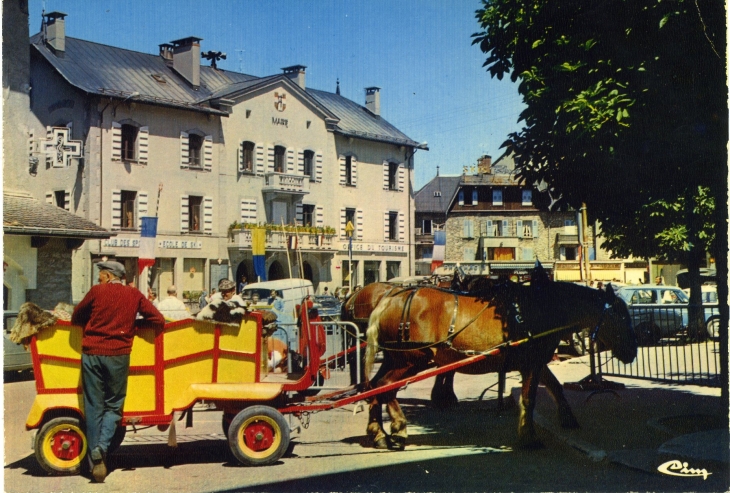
(98, 469)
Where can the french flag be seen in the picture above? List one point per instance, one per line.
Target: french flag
(147, 243)
(439, 249)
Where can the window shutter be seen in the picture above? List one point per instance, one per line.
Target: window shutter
(208, 153)
(116, 209)
(142, 207)
(208, 214)
(320, 216)
(116, 141)
(475, 197)
(519, 229)
(534, 228)
(461, 197)
(386, 177)
(401, 227)
(343, 178)
(300, 163)
(300, 214)
(290, 161)
(270, 159)
(318, 168)
(50, 157)
(143, 138)
(49, 198)
(490, 227)
(240, 157)
(401, 177)
(259, 159)
(248, 210)
(184, 214)
(562, 253)
(184, 150)
(505, 228)
(343, 223)
(528, 254)
(386, 226)
(358, 226)
(354, 171)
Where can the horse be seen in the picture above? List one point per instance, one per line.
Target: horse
(429, 326)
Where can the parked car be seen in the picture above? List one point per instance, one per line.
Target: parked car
(328, 307)
(656, 310)
(15, 357)
(711, 308)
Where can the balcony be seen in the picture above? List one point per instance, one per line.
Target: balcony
(276, 240)
(285, 184)
(426, 239)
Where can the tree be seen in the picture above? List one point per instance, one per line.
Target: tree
(626, 111)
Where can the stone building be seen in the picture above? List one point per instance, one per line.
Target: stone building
(432, 206)
(211, 153)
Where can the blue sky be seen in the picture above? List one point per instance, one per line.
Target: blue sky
(418, 51)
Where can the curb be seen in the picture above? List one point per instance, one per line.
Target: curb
(594, 453)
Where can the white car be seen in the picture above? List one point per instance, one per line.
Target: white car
(710, 306)
(656, 310)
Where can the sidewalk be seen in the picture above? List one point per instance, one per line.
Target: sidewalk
(642, 426)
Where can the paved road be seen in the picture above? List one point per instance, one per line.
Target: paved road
(463, 449)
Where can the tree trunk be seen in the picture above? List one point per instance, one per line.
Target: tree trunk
(696, 328)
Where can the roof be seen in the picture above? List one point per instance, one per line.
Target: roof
(117, 72)
(24, 215)
(425, 199)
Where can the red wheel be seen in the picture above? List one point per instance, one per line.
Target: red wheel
(258, 435)
(60, 446)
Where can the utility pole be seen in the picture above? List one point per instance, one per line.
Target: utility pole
(584, 241)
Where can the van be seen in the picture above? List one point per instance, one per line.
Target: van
(291, 291)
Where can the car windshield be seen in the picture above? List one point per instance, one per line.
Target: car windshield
(709, 297)
(654, 295)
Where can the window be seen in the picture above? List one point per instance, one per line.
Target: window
(279, 159)
(372, 271)
(60, 198)
(568, 253)
(247, 153)
(427, 227)
(392, 269)
(526, 197)
(194, 212)
(129, 200)
(393, 226)
(309, 164)
(129, 142)
(195, 148)
(393, 176)
(500, 253)
(496, 197)
(350, 218)
(308, 216)
(346, 272)
(348, 170)
(497, 228)
(528, 254)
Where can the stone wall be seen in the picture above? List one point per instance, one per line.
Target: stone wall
(54, 275)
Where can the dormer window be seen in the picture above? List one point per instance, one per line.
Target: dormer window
(437, 193)
(527, 198)
(497, 197)
(159, 78)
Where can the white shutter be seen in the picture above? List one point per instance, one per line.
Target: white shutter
(300, 214)
(401, 227)
(386, 226)
(519, 229)
(270, 159)
(259, 159)
(142, 207)
(386, 177)
(184, 214)
(401, 177)
(143, 140)
(320, 216)
(343, 177)
(239, 158)
(208, 153)
(50, 157)
(490, 228)
(184, 150)
(505, 228)
(318, 168)
(248, 210)
(300, 163)
(116, 141)
(353, 169)
(562, 253)
(290, 161)
(359, 225)
(343, 223)
(208, 214)
(534, 228)
(49, 198)
(116, 209)
(475, 197)
(461, 197)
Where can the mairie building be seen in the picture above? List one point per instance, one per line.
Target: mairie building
(117, 135)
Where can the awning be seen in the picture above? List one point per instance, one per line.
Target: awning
(517, 266)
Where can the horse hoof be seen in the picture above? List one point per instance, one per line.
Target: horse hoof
(397, 443)
(381, 444)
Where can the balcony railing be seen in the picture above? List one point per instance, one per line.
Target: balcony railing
(277, 240)
(282, 182)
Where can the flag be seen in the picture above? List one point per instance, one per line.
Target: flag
(258, 247)
(292, 242)
(439, 249)
(147, 243)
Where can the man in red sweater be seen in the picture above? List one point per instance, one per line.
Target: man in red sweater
(108, 315)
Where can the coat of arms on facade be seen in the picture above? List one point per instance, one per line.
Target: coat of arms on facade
(59, 147)
(280, 101)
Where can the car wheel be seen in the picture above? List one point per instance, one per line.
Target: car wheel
(713, 328)
(647, 333)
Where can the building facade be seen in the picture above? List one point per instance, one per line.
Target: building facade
(211, 153)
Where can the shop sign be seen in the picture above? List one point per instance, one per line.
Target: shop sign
(122, 243)
(374, 247)
(180, 244)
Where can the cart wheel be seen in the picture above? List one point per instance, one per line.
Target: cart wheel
(258, 436)
(60, 446)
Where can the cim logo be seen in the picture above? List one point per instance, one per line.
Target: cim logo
(679, 468)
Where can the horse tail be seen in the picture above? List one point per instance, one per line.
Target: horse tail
(372, 336)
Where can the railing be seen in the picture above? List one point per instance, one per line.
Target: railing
(277, 239)
(424, 238)
(668, 350)
(283, 182)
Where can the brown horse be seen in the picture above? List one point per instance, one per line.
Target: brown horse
(434, 326)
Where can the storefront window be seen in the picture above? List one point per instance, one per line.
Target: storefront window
(392, 270)
(372, 271)
(162, 276)
(346, 273)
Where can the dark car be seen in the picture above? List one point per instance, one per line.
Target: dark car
(657, 311)
(15, 356)
(328, 307)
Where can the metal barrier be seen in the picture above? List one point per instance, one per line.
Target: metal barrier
(668, 352)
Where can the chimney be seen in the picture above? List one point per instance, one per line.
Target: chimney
(297, 73)
(186, 59)
(484, 165)
(55, 31)
(372, 100)
(166, 53)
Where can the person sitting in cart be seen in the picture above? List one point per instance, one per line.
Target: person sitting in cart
(108, 315)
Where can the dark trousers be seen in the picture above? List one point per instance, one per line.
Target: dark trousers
(104, 381)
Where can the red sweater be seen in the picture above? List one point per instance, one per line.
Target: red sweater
(108, 314)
